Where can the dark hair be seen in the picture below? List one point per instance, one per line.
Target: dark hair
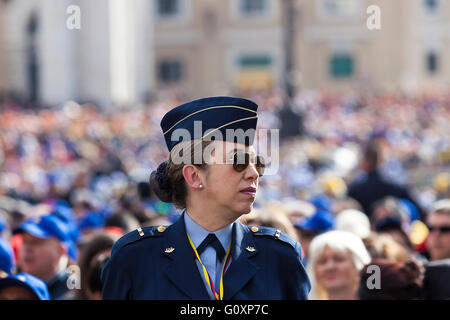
(399, 281)
(94, 274)
(93, 246)
(144, 190)
(167, 182)
(126, 221)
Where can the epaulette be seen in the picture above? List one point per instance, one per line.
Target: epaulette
(138, 234)
(276, 234)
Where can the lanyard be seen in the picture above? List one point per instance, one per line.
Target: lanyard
(218, 296)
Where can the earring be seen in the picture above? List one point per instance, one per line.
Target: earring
(200, 186)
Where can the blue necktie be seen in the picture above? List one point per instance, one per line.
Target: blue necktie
(213, 241)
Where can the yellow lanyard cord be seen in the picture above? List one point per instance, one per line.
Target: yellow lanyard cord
(205, 272)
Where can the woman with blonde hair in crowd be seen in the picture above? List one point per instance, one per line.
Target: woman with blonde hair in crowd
(335, 261)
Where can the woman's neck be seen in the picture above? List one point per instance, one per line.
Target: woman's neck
(342, 294)
(210, 220)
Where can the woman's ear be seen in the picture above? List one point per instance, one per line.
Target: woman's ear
(192, 177)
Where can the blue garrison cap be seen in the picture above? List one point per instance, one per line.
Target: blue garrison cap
(214, 114)
(28, 282)
(6, 257)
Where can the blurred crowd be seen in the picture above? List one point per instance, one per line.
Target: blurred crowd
(363, 181)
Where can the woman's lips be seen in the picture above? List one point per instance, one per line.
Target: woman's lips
(249, 191)
(331, 276)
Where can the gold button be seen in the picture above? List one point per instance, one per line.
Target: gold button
(255, 229)
(278, 233)
(161, 229)
(141, 233)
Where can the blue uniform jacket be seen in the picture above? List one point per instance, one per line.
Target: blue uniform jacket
(158, 263)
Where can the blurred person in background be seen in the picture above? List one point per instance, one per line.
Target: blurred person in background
(383, 246)
(44, 253)
(390, 218)
(23, 286)
(438, 220)
(309, 228)
(335, 261)
(437, 274)
(398, 281)
(373, 186)
(95, 251)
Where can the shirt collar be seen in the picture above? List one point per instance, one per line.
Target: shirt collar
(198, 234)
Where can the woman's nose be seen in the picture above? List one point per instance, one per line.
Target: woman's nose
(251, 172)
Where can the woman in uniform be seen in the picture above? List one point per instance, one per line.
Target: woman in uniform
(212, 173)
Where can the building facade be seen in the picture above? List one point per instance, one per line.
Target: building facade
(106, 59)
(336, 48)
(125, 49)
(204, 47)
(207, 47)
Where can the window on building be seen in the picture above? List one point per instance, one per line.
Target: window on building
(255, 61)
(341, 66)
(168, 7)
(251, 7)
(431, 6)
(255, 71)
(170, 71)
(432, 62)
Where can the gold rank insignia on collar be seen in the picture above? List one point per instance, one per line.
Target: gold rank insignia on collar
(169, 250)
(250, 249)
(277, 233)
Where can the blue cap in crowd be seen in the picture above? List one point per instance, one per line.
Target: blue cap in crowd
(50, 226)
(215, 114)
(3, 224)
(321, 221)
(28, 282)
(410, 209)
(92, 220)
(6, 257)
(321, 202)
(63, 211)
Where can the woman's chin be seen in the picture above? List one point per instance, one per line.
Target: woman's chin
(247, 209)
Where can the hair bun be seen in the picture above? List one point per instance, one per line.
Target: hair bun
(160, 183)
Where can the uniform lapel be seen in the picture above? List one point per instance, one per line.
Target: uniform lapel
(182, 269)
(242, 269)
